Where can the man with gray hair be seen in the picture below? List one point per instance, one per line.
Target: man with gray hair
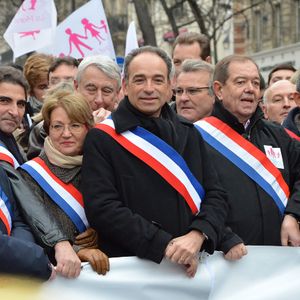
(98, 79)
(292, 121)
(127, 165)
(194, 96)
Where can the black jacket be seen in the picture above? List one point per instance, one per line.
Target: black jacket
(46, 229)
(19, 254)
(253, 215)
(289, 122)
(134, 210)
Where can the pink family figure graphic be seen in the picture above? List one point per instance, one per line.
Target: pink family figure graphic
(75, 39)
(88, 26)
(29, 33)
(32, 5)
(103, 26)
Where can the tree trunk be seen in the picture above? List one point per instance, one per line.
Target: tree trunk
(145, 22)
(198, 16)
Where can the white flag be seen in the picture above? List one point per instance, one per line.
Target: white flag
(84, 33)
(131, 39)
(32, 27)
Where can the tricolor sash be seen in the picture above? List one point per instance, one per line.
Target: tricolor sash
(7, 156)
(5, 212)
(292, 134)
(162, 158)
(66, 196)
(246, 157)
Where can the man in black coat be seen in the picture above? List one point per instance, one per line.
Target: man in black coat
(135, 209)
(257, 161)
(19, 255)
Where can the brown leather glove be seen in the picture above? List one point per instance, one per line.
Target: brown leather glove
(98, 260)
(87, 239)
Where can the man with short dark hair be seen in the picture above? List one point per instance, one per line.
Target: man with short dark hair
(257, 161)
(280, 72)
(190, 45)
(62, 69)
(145, 172)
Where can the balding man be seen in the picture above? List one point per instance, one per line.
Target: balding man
(278, 100)
(292, 122)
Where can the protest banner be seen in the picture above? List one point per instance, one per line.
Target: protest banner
(33, 27)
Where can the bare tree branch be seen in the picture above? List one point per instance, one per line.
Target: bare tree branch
(170, 16)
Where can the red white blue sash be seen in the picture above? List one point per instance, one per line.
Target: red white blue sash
(292, 135)
(246, 157)
(162, 158)
(66, 196)
(5, 212)
(7, 156)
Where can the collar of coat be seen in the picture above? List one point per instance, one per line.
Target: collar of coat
(220, 112)
(126, 117)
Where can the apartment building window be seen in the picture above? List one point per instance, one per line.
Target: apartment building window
(277, 25)
(258, 30)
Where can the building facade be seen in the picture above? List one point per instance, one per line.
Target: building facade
(269, 32)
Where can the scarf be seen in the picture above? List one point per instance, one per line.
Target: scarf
(59, 159)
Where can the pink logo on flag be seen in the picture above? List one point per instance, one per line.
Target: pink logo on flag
(32, 5)
(85, 32)
(29, 33)
(32, 27)
(74, 39)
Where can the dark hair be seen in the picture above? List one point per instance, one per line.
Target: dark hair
(14, 76)
(221, 69)
(280, 67)
(67, 60)
(149, 49)
(262, 84)
(188, 38)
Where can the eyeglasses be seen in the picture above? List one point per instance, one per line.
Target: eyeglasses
(191, 91)
(73, 128)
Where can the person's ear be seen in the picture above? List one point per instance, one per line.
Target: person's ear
(218, 89)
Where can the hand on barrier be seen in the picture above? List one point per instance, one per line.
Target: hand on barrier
(68, 263)
(290, 233)
(98, 260)
(184, 250)
(236, 252)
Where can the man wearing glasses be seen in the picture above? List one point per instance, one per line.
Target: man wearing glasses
(194, 97)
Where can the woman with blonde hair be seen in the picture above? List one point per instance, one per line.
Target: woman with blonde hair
(55, 175)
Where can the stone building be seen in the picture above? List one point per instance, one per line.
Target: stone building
(269, 32)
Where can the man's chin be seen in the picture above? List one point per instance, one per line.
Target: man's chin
(8, 129)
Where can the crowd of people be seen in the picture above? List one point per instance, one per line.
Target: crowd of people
(172, 157)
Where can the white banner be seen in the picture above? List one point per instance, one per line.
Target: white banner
(266, 273)
(32, 27)
(131, 39)
(84, 33)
